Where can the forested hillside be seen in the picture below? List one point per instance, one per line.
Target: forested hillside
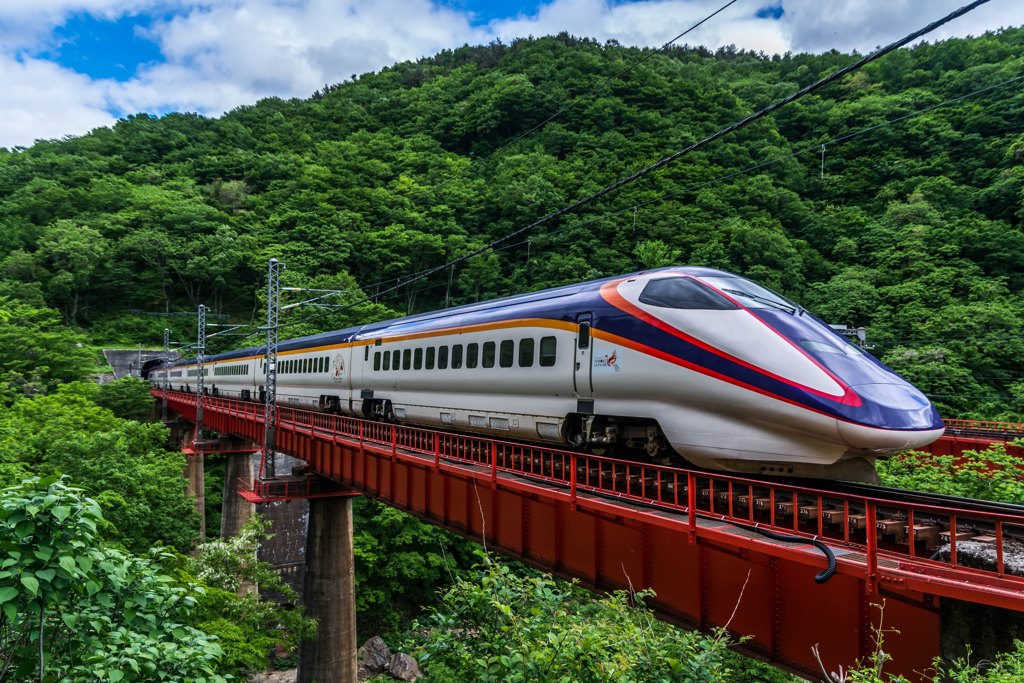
(868, 202)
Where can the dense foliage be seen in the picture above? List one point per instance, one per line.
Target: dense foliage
(125, 465)
(77, 610)
(501, 624)
(248, 626)
(991, 474)
(400, 562)
(911, 228)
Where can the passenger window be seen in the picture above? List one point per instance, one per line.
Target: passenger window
(548, 351)
(583, 341)
(430, 358)
(442, 358)
(684, 292)
(525, 352)
(508, 353)
(407, 359)
(376, 359)
(387, 360)
(472, 355)
(456, 356)
(417, 359)
(488, 359)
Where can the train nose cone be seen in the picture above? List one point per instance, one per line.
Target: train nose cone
(890, 416)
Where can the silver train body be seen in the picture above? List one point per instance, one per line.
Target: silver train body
(695, 361)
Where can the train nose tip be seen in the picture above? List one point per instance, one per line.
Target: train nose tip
(889, 416)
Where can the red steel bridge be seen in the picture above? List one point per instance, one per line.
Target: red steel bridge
(688, 535)
(973, 435)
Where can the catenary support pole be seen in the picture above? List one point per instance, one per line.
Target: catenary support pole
(270, 363)
(200, 372)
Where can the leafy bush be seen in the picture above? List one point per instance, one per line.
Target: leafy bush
(988, 475)
(76, 610)
(505, 625)
(250, 628)
(128, 398)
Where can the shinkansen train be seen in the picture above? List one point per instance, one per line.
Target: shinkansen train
(686, 360)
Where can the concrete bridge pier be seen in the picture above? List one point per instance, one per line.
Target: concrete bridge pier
(239, 469)
(195, 473)
(329, 594)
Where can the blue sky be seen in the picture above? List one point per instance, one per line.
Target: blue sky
(67, 66)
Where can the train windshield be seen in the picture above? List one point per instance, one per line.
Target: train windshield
(752, 295)
(684, 293)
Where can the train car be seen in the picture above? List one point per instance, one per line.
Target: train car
(694, 361)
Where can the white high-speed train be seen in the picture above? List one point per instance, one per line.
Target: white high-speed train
(724, 372)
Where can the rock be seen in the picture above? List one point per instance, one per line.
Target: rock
(287, 676)
(983, 556)
(372, 658)
(403, 667)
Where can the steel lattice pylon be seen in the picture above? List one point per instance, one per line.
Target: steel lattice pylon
(270, 392)
(200, 370)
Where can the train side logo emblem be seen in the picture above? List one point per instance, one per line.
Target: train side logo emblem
(608, 360)
(338, 373)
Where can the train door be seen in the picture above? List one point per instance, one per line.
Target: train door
(584, 363)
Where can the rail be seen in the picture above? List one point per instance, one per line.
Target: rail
(889, 538)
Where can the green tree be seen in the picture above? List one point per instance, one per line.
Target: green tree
(249, 626)
(125, 464)
(127, 398)
(76, 610)
(530, 627)
(36, 352)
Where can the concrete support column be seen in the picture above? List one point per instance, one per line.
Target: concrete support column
(329, 594)
(235, 510)
(195, 473)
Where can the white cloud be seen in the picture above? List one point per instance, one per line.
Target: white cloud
(27, 24)
(651, 23)
(236, 52)
(220, 54)
(814, 26)
(41, 100)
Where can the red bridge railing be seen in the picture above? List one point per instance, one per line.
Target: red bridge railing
(1005, 430)
(875, 537)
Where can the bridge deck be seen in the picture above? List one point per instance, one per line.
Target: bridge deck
(690, 535)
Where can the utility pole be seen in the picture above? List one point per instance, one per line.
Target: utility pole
(270, 392)
(200, 359)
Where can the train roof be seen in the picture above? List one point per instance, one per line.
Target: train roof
(363, 331)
